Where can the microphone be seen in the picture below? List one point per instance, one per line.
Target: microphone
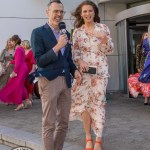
(62, 27)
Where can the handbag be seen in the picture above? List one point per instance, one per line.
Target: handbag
(31, 77)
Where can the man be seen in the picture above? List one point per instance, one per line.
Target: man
(54, 59)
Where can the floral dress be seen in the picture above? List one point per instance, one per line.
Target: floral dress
(90, 95)
(6, 58)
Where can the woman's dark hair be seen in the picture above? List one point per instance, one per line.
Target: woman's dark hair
(77, 13)
(17, 39)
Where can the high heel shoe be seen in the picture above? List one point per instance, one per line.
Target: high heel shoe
(88, 140)
(145, 103)
(100, 143)
(19, 107)
(28, 104)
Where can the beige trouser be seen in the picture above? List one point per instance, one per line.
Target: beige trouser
(56, 103)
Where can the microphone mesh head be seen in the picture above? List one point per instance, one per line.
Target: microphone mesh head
(62, 25)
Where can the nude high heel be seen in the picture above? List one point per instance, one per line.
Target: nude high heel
(28, 104)
(19, 107)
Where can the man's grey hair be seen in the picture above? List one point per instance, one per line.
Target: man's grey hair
(54, 1)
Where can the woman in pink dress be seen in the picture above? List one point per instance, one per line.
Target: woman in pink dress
(14, 91)
(29, 59)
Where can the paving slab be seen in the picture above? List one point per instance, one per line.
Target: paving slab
(3, 147)
(127, 125)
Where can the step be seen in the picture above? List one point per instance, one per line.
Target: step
(3, 147)
(15, 138)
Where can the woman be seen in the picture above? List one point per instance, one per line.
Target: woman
(91, 44)
(6, 56)
(145, 74)
(14, 91)
(133, 83)
(140, 58)
(29, 59)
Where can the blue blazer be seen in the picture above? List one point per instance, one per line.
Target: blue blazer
(51, 65)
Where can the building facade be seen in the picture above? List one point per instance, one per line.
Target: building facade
(22, 16)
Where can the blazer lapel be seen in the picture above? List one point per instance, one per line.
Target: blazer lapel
(66, 50)
(50, 32)
(67, 47)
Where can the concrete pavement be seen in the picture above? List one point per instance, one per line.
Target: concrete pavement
(127, 126)
(3, 147)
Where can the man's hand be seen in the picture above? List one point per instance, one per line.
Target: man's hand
(62, 42)
(78, 77)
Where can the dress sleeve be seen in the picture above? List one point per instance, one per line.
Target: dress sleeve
(2, 56)
(108, 47)
(75, 49)
(18, 59)
(32, 58)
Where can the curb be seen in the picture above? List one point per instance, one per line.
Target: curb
(15, 138)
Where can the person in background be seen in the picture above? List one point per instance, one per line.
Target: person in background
(52, 52)
(6, 56)
(14, 91)
(145, 74)
(140, 58)
(31, 65)
(133, 84)
(91, 45)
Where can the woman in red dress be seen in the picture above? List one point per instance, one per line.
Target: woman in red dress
(29, 59)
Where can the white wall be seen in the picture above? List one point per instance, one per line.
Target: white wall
(108, 12)
(22, 16)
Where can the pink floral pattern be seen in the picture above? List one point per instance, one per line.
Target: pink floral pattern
(90, 95)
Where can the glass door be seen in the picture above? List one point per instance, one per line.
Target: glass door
(135, 34)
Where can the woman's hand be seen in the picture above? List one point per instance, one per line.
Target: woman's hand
(13, 74)
(78, 77)
(3, 71)
(83, 66)
(7, 65)
(102, 36)
(33, 68)
(139, 70)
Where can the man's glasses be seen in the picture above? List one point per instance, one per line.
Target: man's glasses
(59, 11)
